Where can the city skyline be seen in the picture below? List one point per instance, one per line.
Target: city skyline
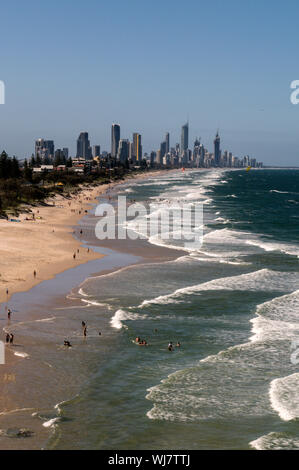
(131, 152)
(157, 66)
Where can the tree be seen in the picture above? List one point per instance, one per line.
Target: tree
(27, 171)
(15, 168)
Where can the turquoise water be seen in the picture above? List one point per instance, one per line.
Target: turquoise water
(233, 304)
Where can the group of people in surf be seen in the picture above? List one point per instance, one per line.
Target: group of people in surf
(141, 342)
(9, 338)
(84, 330)
(170, 347)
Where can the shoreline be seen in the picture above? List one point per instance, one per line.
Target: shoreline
(46, 244)
(55, 289)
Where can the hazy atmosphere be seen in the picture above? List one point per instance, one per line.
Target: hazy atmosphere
(70, 66)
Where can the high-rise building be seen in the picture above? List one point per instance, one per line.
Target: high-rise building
(167, 142)
(137, 147)
(44, 149)
(83, 146)
(115, 138)
(123, 150)
(65, 151)
(217, 152)
(158, 157)
(184, 138)
(96, 151)
(163, 152)
(152, 158)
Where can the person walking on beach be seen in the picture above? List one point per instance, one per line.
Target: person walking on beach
(85, 332)
(11, 337)
(34, 274)
(74, 255)
(8, 313)
(7, 337)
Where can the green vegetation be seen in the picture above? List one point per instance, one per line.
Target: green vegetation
(21, 187)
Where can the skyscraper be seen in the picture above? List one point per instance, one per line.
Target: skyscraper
(123, 150)
(115, 137)
(137, 147)
(217, 153)
(163, 149)
(96, 151)
(167, 142)
(184, 137)
(44, 149)
(83, 146)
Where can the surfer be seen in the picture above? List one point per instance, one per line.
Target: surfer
(170, 347)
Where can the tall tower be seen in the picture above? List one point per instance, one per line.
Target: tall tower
(217, 152)
(137, 148)
(115, 138)
(184, 137)
(167, 142)
(83, 146)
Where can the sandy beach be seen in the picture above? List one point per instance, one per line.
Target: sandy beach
(45, 244)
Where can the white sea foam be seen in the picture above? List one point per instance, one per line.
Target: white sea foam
(284, 396)
(122, 315)
(21, 354)
(269, 246)
(51, 422)
(275, 441)
(95, 303)
(277, 319)
(262, 280)
(280, 192)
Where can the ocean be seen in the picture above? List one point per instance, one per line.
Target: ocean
(233, 304)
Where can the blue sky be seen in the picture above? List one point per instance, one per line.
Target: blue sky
(72, 66)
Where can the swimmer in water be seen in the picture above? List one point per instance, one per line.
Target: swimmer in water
(170, 347)
(178, 345)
